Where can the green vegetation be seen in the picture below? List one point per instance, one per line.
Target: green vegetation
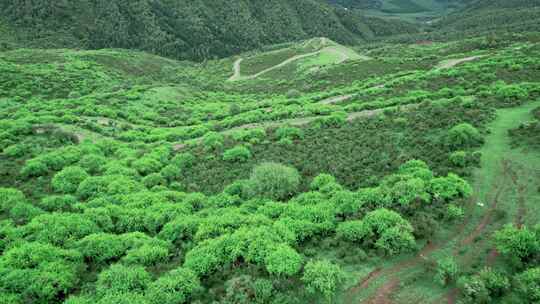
(400, 166)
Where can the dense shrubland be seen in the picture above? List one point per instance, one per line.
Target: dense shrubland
(127, 232)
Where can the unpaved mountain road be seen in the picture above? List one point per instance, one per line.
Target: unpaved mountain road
(453, 62)
(339, 51)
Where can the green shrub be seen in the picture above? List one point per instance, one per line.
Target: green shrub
(352, 231)
(520, 243)
(41, 273)
(473, 290)
(252, 136)
(57, 203)
(9, 197)
(147, 255)
(181, 229)
(122, 279)
(464, 136)
(92, 187)
(102, 247)
(283, 261)
(287, 132)
(497, 283)
(122, 185)
(459, 159)
(454, 212)
(447, 271)
(175, 287)
(153, 180)
(183, 160)
(449, 188)
(293, 94)
(147, 165)
(93, 163)
(529, 285)
(273, 181)
(484, 287)
(10, 298)
(321, 181)
(34, 168)
(237, 154)
(59, 229)
(171, 172)
(18, 150)
(22, 212)
(384, 229)
(322, 277)
(213, 141)
(68, 180)
(245, 289)
(334, 120)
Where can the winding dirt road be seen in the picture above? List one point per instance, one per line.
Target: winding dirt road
(336, 50)
(453, 62)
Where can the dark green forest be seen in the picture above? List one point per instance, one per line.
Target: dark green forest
(198, 29)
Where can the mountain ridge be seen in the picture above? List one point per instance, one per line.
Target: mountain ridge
(194, 30)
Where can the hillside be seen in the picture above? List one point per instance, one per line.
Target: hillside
(411, 10)
(199, 29)
(360, 160)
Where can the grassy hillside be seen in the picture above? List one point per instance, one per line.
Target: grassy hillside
(412, 10)
(198, 29)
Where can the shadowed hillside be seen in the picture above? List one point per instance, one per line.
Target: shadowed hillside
(198, 29)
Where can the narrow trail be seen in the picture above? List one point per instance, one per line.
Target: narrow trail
(284, 63)
(382, 294)
(453, 62)
(508, 175)
(343, 56)
(236, 68)
(500, 186)
(300, 121)
(517, 179)
(336, 99)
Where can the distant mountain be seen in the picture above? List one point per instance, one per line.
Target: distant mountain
(400, 6)
(483, 16)
(195, 29)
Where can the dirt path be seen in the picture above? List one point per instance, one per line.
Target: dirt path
(336, 99)
(236, 68)
(499, 186)
(299, 122)
(383, 293)
(517, 175)
(453, 62)
(343, 56)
